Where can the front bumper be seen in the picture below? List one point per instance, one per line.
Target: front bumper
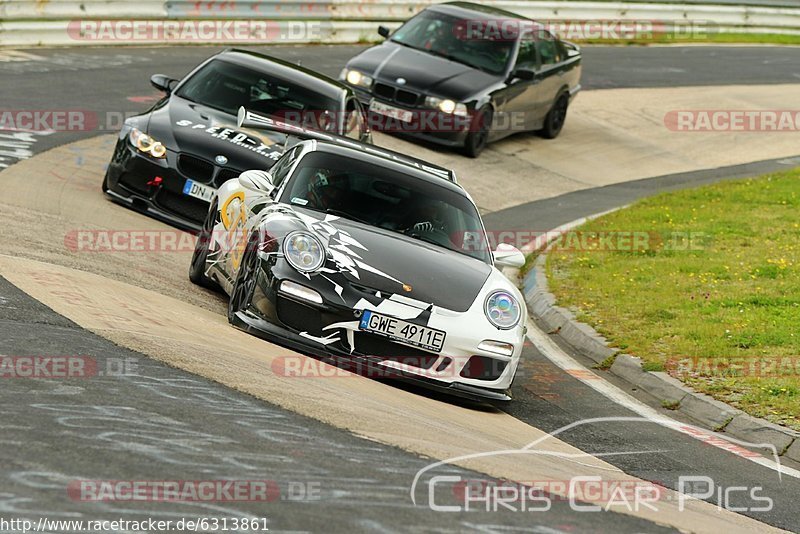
(129, 181)
(365, 365)
(329, 331)
(450, 137)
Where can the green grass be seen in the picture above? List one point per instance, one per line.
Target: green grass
(728, 302)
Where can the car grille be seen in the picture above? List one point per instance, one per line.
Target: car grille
(224, 175)
(190, 208)
(401, 96)
(299, 317)
(371, 345)
(195, 168)
(483, 368)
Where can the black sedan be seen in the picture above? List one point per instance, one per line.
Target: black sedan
(463, 75)
(169, 161)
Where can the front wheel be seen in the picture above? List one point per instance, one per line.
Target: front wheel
(478, 136)
(554, 121)
(197, 269)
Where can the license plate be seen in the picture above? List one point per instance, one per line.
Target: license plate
(390, 111)
(402, 331)
(203, 192)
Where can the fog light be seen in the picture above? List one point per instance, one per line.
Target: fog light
(301, 292)
(497, 347)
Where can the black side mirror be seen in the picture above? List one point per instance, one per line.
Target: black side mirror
(384, 32)
(163, 83)
(523, 74)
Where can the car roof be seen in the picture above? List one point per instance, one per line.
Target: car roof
(386, 158)
(319, 83)
(476, 11)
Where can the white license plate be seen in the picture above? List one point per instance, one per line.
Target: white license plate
(390, 111)
(203, 192)
(402, 331)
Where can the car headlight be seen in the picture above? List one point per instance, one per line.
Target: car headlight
(357, 78)
(146, 144)
(502, 310)
(303, 251)
(446, 105)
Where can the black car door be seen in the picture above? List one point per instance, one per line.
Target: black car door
(521, 95)
(550, 75)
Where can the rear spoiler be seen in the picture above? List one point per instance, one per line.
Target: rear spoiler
(248, 119)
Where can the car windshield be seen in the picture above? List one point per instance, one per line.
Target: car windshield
(447, 36)
(226, 87)
(388, 198)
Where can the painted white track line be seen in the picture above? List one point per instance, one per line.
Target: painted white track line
(559, 357)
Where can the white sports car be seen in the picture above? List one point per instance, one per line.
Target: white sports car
(370, 258)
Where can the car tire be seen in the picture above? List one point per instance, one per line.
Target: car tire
(245, 283)
(197, 272)
(554, 121)
(478, 138)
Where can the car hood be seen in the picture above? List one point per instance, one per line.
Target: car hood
(389, 262)
(423, 72)
(186, 127)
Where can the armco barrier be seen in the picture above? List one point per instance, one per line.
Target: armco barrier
(245, 9)
(27, 23)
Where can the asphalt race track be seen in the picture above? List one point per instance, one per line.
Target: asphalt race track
(163, 422)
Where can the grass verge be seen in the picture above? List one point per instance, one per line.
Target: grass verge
(711, 38)
(703, 283)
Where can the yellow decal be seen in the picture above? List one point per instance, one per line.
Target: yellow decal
(236, 227)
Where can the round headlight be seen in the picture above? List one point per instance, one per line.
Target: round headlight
(303, 251)
(144, 143)
(353, 77)
(158, 150)
(502, 310)
(448, 106)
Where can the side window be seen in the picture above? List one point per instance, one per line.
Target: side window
(353, 120)
(281, 169)
(526, 58)
(548, 50)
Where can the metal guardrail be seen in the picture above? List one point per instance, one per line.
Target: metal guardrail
(24, 23)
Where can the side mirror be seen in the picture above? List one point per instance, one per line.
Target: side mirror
(384, 32)
(255, 180)
(523, 74)
(508, 256)
(162, 82)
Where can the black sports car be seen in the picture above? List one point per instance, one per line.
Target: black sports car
(360, 254)
(463, 75)
(169, 161)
